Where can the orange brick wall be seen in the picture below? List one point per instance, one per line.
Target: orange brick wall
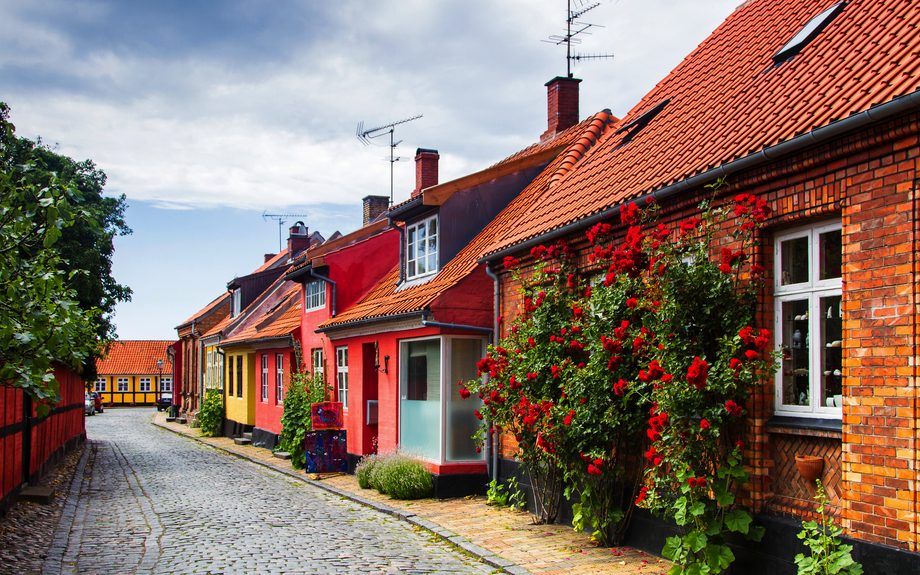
(868, 180)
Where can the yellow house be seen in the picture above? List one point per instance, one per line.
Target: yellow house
(134, 372)
(239, 389)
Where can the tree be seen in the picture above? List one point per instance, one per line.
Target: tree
(56, 234)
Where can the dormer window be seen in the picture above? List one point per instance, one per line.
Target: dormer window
(314, 295)
(237, 301)
(422, 248)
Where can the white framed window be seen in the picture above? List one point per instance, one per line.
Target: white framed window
(279, 378)
(434, 420)
(122, 384)
(807, 320)
(166, 384)
(341, 375)
(422, 248)
(264, 377)
(318, 364)
(144, 384)
(209, 370)
(99, 385)
(314, 295)
(218, 370)
(237, 302)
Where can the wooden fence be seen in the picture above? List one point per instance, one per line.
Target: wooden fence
(31, 445)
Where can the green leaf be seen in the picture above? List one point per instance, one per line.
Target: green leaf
(738, 521)
(696, 541)
(672, 547)
(718, 557)
(698, 508)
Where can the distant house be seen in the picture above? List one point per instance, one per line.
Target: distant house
(814, 108)
(403, 348)
(134, 372)
(189, 355)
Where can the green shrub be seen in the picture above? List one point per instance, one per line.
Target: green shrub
(364, 469)
(304, 390)
(211, 416)
(400, 475)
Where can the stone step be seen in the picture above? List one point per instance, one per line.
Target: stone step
(42, 495)
(248, 435)
(282, 455)
(171, 419)
(241, 441)
(182, 420)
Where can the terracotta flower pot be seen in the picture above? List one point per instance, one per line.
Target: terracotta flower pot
(809, 466)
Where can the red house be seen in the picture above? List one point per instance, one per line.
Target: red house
(815, 108)
(426, 325)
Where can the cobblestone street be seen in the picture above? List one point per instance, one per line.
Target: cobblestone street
(146, 501)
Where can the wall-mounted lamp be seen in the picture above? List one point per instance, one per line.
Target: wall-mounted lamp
(386, 364)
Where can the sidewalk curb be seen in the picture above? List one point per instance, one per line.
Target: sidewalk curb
(467, 546)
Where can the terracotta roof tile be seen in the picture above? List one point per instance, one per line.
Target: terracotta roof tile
(134, 357)
(203, 311)
(728, 100)
(281, 320)
(384, 301)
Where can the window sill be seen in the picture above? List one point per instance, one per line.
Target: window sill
(791, 425)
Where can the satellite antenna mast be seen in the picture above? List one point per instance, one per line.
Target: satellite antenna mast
(365, 136)
(281, 219)
(570, 36)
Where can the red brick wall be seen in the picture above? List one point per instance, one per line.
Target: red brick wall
(869, 181)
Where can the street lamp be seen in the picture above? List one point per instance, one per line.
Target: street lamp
(160, 377)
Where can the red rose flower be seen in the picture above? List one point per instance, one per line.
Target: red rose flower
(704, 424)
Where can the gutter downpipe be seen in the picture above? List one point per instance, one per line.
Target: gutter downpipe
(864, 118)
(328, 281)
(476, 329)
(493, 444)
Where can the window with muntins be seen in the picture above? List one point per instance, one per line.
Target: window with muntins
(100, 384)
(807, 320)
(144, 384)
(318, 361)
(122, 384)
(230, 375)
(314, 295)
(341, 375)
(422, 248)
(239, 376)
(264, 377)
(166, 383)
(279, 377)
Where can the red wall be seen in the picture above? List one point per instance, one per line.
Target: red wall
(48, 434)
(268, 413)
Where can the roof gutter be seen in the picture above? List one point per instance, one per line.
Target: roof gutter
(330, 282)
(369, 320)
(456, 326)
(897, 106)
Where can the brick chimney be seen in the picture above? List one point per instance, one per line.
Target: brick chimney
(298, 240)
(268, 257)
(426, 170)
(561, 106)
(374, 206)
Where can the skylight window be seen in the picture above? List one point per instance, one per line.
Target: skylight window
(808, 33)
(641, 122)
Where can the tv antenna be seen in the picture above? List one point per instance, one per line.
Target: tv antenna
(365, 136)
(281, 219)
(571, 37)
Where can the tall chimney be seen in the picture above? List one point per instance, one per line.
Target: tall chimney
(298, 240)
(426, 170)
(561, 106)
(374, 206)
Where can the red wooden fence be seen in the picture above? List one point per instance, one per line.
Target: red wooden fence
(31, 445)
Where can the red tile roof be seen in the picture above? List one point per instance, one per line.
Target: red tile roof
(384, 301)
(204, 311)
(726, 100)
(134, 357)
(280, 320)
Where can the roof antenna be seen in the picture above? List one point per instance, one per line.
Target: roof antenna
(364, 136)
(570, 37)
(281, 219)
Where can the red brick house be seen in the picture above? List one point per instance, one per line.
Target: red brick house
(425, 326)
(813, 107)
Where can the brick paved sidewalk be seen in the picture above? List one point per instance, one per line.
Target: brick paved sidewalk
(510, 535)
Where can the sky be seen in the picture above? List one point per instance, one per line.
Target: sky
(209, 116)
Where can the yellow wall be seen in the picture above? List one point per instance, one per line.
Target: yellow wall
(131, 397)
(241, 409)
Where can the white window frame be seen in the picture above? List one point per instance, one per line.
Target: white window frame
(341, 375)
(166, 384)
(314, 295)
(318, 362)
(99, 384)
(237, 301)
(279, 378)
(209, 370)
(812, 291)
(412, 244)
(445, 388)
(123, 385)
(264, 377)
(144, 384)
